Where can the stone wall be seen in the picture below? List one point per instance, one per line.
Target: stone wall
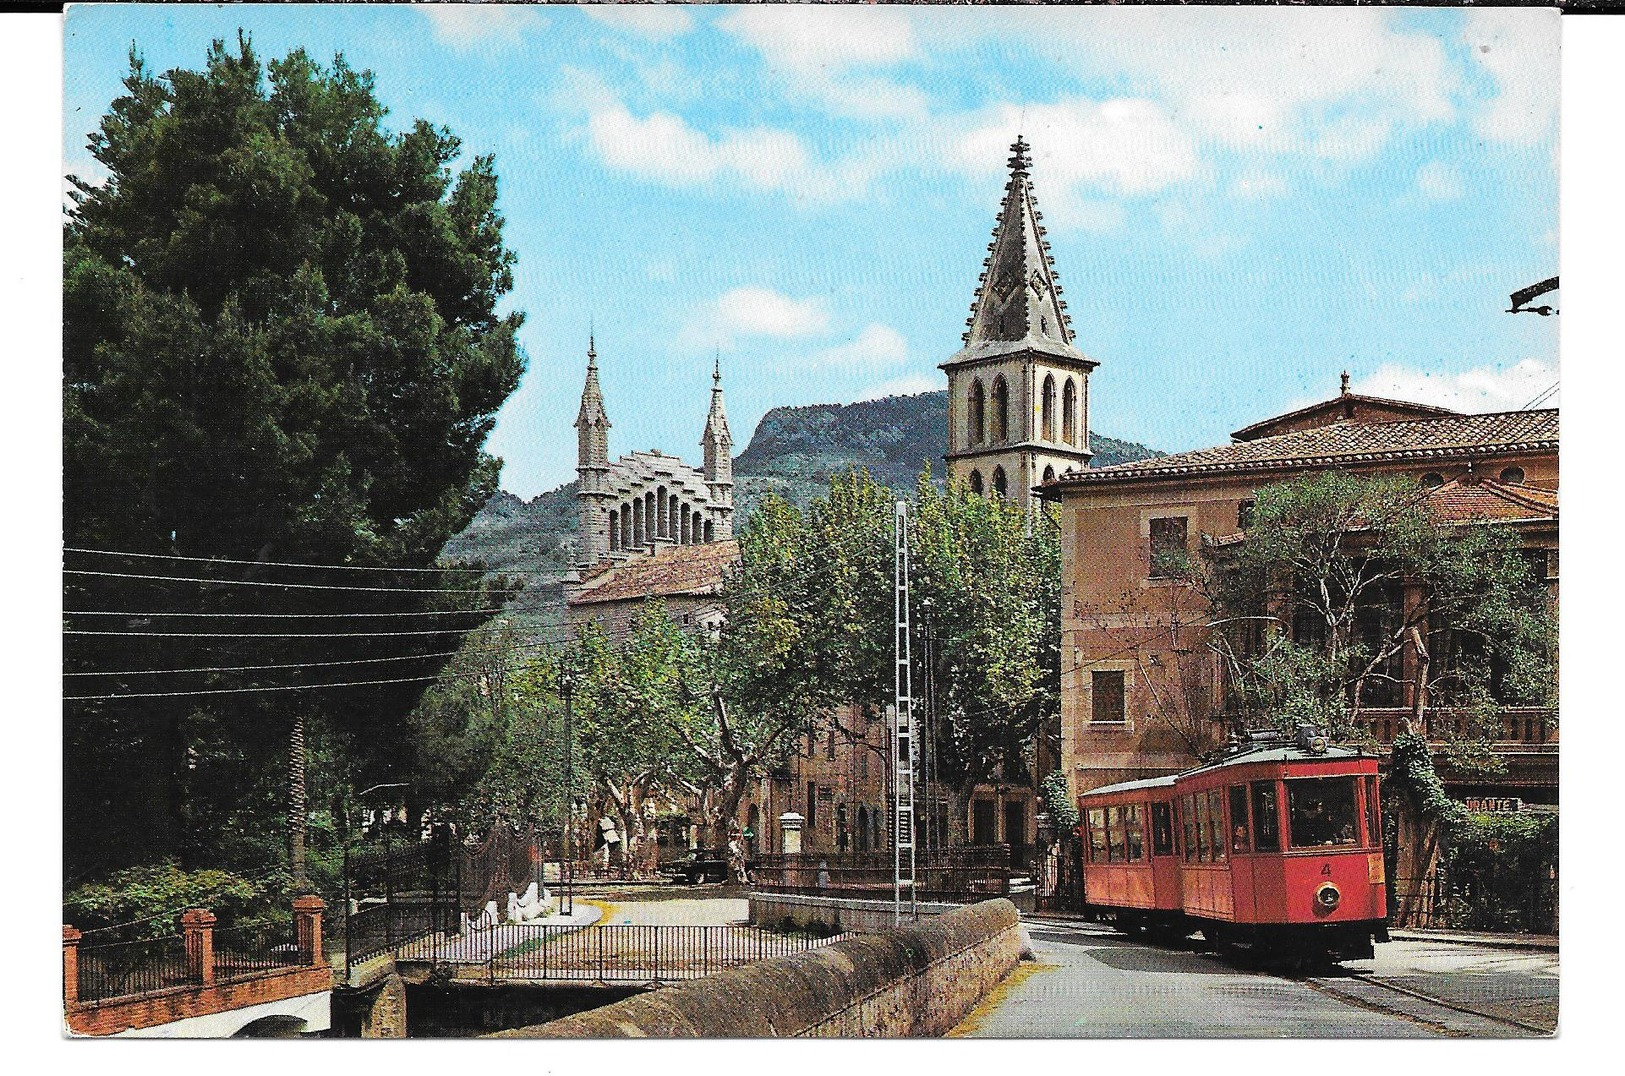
(915, 981)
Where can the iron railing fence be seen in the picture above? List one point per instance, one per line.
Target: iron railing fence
(631, 953)
(1467, 902)
(252, 948)
(119, 969)
(390, 926)
(949, 874)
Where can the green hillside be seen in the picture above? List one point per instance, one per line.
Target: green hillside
(794, 453)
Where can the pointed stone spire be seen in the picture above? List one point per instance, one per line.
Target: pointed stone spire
(593, 491)
(1018, 301)
(719, 462)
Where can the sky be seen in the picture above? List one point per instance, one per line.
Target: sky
(1241, 202)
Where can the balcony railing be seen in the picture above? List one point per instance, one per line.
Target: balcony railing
(1533, 726)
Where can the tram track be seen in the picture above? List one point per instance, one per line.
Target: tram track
(1329, 985)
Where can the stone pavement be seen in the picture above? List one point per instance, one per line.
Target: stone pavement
(1091, 983)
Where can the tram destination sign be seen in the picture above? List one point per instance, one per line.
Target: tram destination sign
(1493, 804)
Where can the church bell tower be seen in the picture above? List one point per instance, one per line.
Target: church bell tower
(593, 492)
(1018, 391)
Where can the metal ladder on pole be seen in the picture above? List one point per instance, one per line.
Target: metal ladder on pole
(905, 752)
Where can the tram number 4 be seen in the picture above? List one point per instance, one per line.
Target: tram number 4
(1325, 870)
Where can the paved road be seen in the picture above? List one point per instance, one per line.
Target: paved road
(684, 911)
(1091, 983)
(1512, 984)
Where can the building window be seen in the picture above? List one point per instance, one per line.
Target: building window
(829, 747)
(1049, 474)
(812, 806)
(1001, 409)
(1432, 480)
(1069, 412)
(1512, 476)
(1168, 546)
(976, 482)
(614, 530)
(1047, 408)
(1244, 514)
(1106, 691)
(1000, 483)
(978, 414)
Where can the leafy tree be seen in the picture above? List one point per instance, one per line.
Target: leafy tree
(281, 344)
(1346, 592)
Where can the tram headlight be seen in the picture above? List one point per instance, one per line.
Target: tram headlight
(1327, 897)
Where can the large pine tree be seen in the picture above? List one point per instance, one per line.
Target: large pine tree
(281, 344)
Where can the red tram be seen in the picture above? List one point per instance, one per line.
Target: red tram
(1276, 848)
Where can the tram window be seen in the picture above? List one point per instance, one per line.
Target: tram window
(1097, 835)
(1114, 834)
(1266, 820)
(1134, 825)
(1188, 818)
(1320, 811)
(1373, 820)
(1162, 829)
(1240, 837)
(1215, 821)
(1204, 840)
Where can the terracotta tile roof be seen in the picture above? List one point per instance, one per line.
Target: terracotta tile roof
(1406, 408)
(1468, 500)
(674, 570)
(1342, 444)
(1486, 500)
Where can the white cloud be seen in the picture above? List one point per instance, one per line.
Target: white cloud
(817, 49)
(665, 147)
(907, 385)
(1122, 146)
(810, 38)
(1483, 388)
(1259, 185)
(657, 21)
(756, 311)
(1440, 182)
(1327, 83)
(1519, 50)
(877, 347)
(468, 26)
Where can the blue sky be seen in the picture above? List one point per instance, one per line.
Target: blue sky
(1241, 202)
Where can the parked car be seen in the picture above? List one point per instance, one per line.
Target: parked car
(700, 865)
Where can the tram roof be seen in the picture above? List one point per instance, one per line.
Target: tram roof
(1133, 786)
(1276, 752)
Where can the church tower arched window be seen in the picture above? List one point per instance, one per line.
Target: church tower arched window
(1000, 401)
(1001, 485)
(976, 482)
(1069, 412)
(1049, 474)
(1047, 408)
(978, 417)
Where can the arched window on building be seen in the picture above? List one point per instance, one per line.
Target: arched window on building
(976, 481)
(1000, 484)
(1000, 406)
(1049, 474)
(660, 513)
(687, 532)
(1069, 412)
(978, 416)
(638, 539)
(614, 530)
(674, 525)
(1046, 408)
(710, 530)
(626, 527)
(651, 521)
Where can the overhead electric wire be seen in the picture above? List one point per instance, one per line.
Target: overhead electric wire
(269, 634)
(264, 563)
(1541, 397)
(311, 616)
(244, 690)
(268, 583)
(287, 665)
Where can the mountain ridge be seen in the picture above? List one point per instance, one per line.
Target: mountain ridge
(793, 452)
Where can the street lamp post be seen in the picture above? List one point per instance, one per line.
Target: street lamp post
(566, 865)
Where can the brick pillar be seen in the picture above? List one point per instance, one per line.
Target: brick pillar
(70, 965)
(197, 928)
(307, 927)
